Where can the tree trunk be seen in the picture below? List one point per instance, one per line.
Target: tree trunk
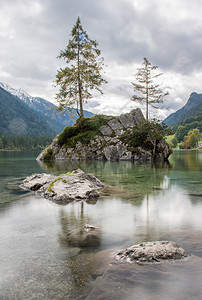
(147, 101)
(79, 80)
(80, 100)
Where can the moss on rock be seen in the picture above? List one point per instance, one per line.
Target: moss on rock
(49, 189)
(82, 131)
(48, 154)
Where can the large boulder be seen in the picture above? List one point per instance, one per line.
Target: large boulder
(68, 187)
(128, 120)
(152, 252)
(37, 181)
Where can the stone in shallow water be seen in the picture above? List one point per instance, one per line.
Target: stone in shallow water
(36, 181)
(152, 252)
(65, 188)
(87, 236)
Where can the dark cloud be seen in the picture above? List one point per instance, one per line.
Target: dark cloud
(167, 32)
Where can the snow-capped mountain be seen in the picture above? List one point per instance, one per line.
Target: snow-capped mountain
(17, 118)
(20, 93)
(35, 103)
(44, 108)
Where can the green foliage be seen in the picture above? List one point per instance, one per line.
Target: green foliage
(169, 138)
(144, 133)
(174, 142)
(82, 131)
(193, 119)
(183, 130)
(180, 133)
(191, 140)
(68, 133)
(48, 154)
(82, 73)
(144, 87)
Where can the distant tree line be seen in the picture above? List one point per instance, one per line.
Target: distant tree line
(189, 141)
(187, 125)
(22, 142)
(185, 132)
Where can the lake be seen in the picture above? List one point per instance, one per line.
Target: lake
(142, 202)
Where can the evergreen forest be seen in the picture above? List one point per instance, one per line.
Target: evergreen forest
(22, 142)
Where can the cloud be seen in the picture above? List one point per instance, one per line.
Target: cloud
(168, 33)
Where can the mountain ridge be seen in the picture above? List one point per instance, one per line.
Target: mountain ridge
(19, 119)
(192, 107)
(45, 109)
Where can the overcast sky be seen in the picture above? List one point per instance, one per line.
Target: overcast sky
(167, 32)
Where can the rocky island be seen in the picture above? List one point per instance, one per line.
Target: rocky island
(126, 137)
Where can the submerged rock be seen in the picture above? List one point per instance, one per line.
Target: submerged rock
(152, 252)
(86, 236)
(115, 279)
(173, 279)
(68, 187)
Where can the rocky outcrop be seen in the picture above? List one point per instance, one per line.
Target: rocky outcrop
(152, 252)
(109, 144)
(64, 188)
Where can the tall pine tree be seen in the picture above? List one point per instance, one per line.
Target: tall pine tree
(83, 71)
(144, 87)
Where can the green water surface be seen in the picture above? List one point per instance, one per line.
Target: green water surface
(141, 202)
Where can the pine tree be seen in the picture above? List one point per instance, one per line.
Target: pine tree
(144, 87)
(82, 73)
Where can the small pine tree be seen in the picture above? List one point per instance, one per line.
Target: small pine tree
(82, 73)
(144, 87)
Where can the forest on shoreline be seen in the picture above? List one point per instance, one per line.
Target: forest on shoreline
(23, 142)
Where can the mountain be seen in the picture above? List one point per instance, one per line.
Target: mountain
(193, 108)
(18, 119)
(45, 109)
